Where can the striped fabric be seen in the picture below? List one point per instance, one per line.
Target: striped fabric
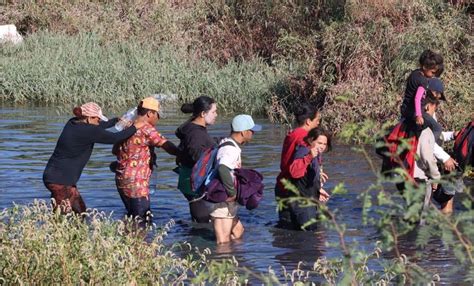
(92, 109)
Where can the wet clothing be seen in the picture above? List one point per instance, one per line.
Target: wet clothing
(414, 81)
(67, 198)
(137, 208)
(70, 156)
(305, 176)
(74, 149)
(294, 138)
(194, 139)
(228, 158)
(134, 157)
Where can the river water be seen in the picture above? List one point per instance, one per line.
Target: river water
(28, 137)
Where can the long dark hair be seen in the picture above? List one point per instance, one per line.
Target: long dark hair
(314, 133)
(200, 104)
(305, 111)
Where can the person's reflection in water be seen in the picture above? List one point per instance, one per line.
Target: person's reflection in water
(302, 246)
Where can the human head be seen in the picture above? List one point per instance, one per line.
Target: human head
(436, 88)
(90, 112)
(149, 109)
(319, 137)
(243, 128)
(202, 107)
(431, 103)
(431, 63)
(307, 116)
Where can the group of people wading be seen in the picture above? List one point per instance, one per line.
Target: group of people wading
(231, 185)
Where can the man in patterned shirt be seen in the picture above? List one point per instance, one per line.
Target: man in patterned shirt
(135, 158)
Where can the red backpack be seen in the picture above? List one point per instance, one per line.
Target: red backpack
(463, 146)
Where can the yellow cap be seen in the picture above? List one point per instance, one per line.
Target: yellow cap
(151, 103)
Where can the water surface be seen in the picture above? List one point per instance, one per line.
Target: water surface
(28, 137)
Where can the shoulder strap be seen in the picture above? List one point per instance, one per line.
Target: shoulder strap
(227, 143)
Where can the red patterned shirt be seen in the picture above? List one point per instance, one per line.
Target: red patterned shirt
(134, 158)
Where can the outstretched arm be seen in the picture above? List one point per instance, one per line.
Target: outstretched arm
(170, 148)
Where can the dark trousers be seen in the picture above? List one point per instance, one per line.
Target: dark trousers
(137, 208)
(295, 216)
(66, 198)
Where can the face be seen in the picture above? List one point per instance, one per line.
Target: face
(153, 117)
(211, 115)
(315, 122)
(94, 120)
(429, 72)
(436, 94)
(431, 108)
(321, 143)
(247, 135)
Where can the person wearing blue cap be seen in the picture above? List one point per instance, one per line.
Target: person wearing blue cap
(227, 225)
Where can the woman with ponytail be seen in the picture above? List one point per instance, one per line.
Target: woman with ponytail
(73, 150)
(194, 139)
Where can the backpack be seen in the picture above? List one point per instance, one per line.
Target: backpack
(464, 145)
(205, 168)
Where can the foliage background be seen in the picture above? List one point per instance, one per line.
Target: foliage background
(350, 57)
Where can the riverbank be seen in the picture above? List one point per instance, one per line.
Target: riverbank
(349, 57)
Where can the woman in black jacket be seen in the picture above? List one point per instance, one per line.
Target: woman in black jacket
(194, 139)
(72, 152)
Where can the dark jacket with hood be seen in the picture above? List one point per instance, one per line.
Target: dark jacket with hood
(310, 183)
(194, 139)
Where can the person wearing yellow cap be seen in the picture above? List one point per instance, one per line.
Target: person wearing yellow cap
(73, 151)
(136, 160)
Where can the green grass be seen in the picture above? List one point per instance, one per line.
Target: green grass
(54, 69)
(41, 247)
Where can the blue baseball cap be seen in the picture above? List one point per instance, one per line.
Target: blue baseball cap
(244, 122)
(435, 84)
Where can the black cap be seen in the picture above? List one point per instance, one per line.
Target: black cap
(435, 84)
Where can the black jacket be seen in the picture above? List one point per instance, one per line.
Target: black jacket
(74, 148)
(193, 141)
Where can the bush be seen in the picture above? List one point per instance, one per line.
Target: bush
(55, 68)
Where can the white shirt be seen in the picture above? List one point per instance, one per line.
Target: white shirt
(439, 152)
(425, 164)
(229, 155)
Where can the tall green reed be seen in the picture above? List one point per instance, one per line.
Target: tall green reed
(70, 70)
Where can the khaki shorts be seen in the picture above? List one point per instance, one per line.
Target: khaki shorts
(223, 210)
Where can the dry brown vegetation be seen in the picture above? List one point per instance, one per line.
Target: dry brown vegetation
(350, 56)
